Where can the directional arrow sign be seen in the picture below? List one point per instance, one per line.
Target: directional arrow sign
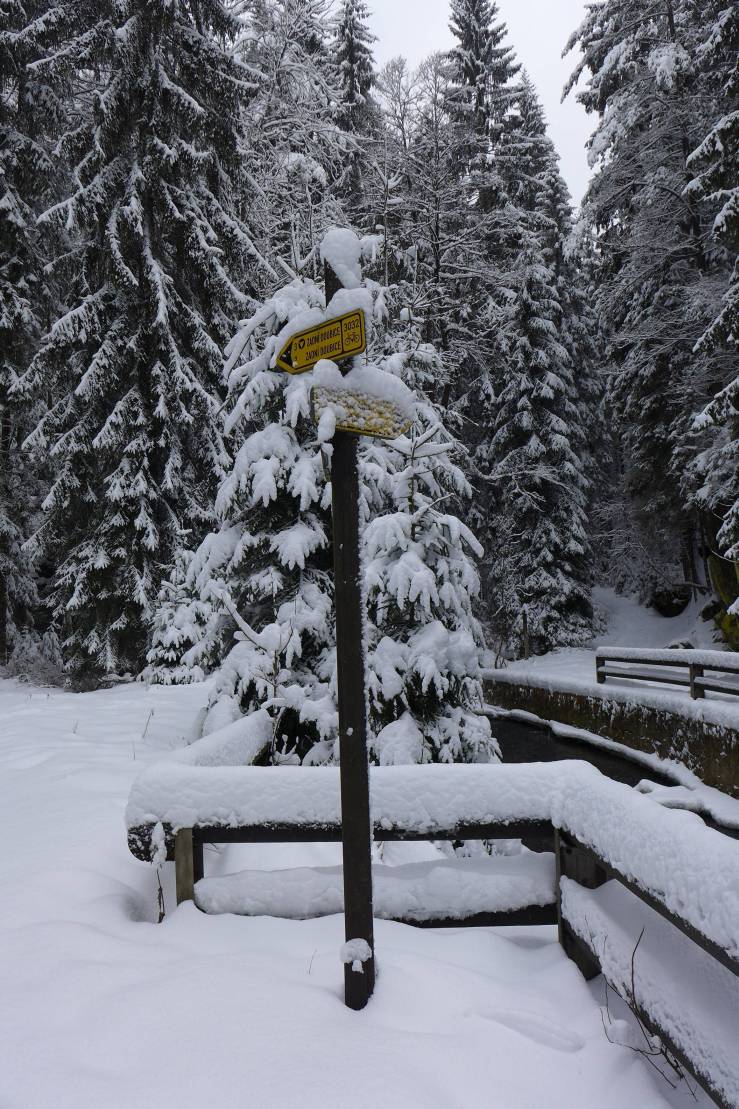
(339, 338)
(360, 413)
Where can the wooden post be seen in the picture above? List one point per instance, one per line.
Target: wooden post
(197, 861)
(354, 769)
(600, 671)
(579, 865)
(183, 865)
(695, 671)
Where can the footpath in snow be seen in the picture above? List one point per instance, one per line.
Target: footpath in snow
(629, 624)
(104, 1009)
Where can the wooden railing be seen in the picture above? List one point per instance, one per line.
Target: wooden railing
(539, 835)
(579, 863)
(699, 671)
(682, 874)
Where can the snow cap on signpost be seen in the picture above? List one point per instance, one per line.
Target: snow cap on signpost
(342, 251)
(366, 401)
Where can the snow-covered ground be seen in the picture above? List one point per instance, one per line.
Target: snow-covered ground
(101, 1008)
(629, 624)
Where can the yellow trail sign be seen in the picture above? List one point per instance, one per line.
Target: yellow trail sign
(342, 337)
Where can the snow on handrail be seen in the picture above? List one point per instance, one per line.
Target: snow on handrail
(711, 660)
(670, 854)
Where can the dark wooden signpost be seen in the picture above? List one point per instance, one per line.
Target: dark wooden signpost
(339, 340)
(356, 829)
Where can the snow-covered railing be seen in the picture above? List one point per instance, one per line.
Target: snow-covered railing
(660, 666)
(686, 1001)
(605, 835)
(175, 809)
(663, 854)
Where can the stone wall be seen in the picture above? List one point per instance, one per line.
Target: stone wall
(710, 750)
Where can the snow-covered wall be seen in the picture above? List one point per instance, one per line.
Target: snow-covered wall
(702, 735)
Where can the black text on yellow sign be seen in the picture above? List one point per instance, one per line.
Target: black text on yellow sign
(342, 337)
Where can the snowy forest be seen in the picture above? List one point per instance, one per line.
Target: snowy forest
(170, 172)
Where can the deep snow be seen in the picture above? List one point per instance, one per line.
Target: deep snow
(103, 1009)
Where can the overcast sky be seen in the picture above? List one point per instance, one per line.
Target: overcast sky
(538, 31)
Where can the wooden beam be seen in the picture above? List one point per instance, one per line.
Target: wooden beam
(528, 915)
(352, 704)
(572, 861)
(539, 831)
(183, 863)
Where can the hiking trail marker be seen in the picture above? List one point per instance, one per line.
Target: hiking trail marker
(342, 337)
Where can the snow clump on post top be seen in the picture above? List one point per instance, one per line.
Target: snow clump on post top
(342, 250)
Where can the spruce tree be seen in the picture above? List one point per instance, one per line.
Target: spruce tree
(534, 404)
(425, 643)
(357, 113)
(132, 368)
(659, 282)
(185, 630)
(714, 183)
(533, 466)
(482, 67)
(268, 568)
(353, 57)
(29, 116)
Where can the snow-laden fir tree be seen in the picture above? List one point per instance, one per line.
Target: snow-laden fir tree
(425, 644)
(185, 635)
(533, 465)
(533, 404)
(659, 279)
(29, 115)
(268, 567)
(481, 68)
(356, 111)
(131, 371)
(715, 182)
(354, 59)
(713, 164)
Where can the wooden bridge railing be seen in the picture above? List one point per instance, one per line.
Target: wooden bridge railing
(699, 671)
(580, 864)
(604, 836)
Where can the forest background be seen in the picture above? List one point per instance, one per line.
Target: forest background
(168, 173)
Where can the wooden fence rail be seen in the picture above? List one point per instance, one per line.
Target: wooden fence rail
(581, 864)
(672, 667)
(569, 809)
(539, 835)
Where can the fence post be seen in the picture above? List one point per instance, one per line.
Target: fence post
(184, 865)
(695, 671)
(580, 865)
